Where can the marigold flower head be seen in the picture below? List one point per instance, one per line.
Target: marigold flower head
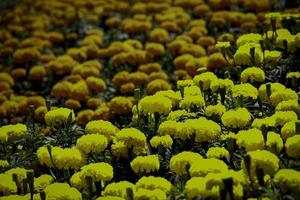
(152, 183)
(283, 95)
(217, 152)
(206, 78)
(181, 161)
(118, 189)
(101, 127)
(150, 194)
(91, 143)
(165, 141)
(156, 103)
(205, 166)
(98, 171)
(252, 74)
(251, 139)
(145, 164)
(62, 191)
(131, 137)
(215, 110)
(292, 146)
(238, 118)
(245, 90)
(287, 179)
(58, 115)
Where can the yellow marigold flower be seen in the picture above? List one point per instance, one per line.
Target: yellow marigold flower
(132, 137)
(154, 49)
(7, 185)
(252, 74)
(283, 117)
(101, 127)
(145, 164)
(251, 139)
(167, 127)
(37, 73)
(119, 149)
(238, 118)
(289, 105)
(76, 181)
(196, 187)
(262, 90)
(242, 55)
(21, 173)
(80, 90)
(288, 130)
(11, 107)
(84, 116)
(175, 97)
(152, 104)
(91, 143)
(263, 159)
(42, 182)
(248, 38)
(157, 85)
(206, 78)
(62, 191)
(184, 83)
(273, 15)
(4, 163)
(68, 158)
(174, 115)
(205, 130)
(59, 115)
(267, 121)
(62, 90)
(159, 35)
(121, 105)
(11, 132)
(215, 110)
(274, 142)
(205, 166)
(283, 95)
(217, 152)
(150, 194)
(192, 91)
(245, 90)
(272, 56)
(287, 179)
(95, 84)
(292, 146)
(293, 75)
(165, 141)
(189, 102)
(181, 161)
(98, 171)
(152, 183)
(221, 84)
(223, 44)
(118, 189)
(6, 77)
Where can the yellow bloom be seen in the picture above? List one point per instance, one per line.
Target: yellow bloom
(283, 117)
(248, 38)
(189, 102)
(289, 105)
(263, 159)
(251, 139)
(217, 152)
(274, 142)
(174, 115)
(196, 187)
(283, 95)
(42, 182)
(223, 44)
(245, 90)
(152, 104)
(252, 74)
(91, 143)
(293, 75)
(120, 105)
(101, 127)
(272, 56)
(238, 118)
(118, 189)
(287, 179)
(98, 171)
(145, 164)
(206, 78)
(292, 146)
(181, 161)
(62, 191)
(167, 127)
(262, 90)
(242, 55)
(156, 194)
(131, 137)
(119, 149)
(12, 131)
(221, 84)
(205, 166)
(165, 141)
(184, 83)
(4, 163)
(7, 185)
(59, 115)
(215, 110)
(152, 183)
